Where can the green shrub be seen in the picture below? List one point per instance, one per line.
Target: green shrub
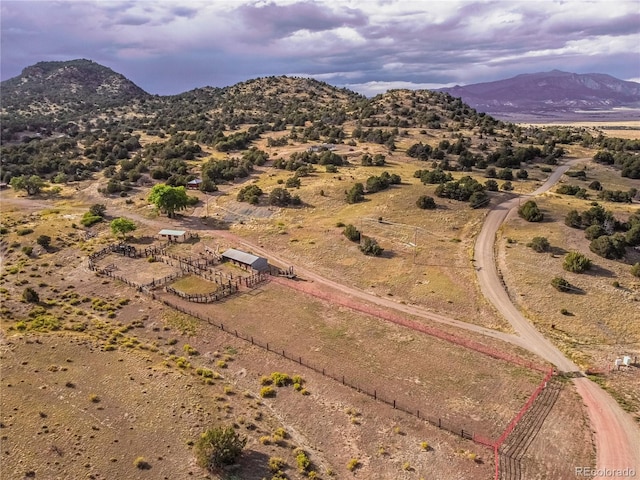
(276, 464)
(576, 262)
(356, 193)
(29, 295)
(302, 460)
(561, 284)
(281, 379)
(594, 231)
(353, 464)
(426, 202)
(27, 250)
(44, 241)
(141, 463)
(539, 244)
(204, 372)
(250, 193)
(189, 350)
(530, 212)
(352, 233)
(370, 247)
(267, 392)
(24, 231)
(219, 446)
(609, 246)
(635, 270)
(98, 209)
(88, 219)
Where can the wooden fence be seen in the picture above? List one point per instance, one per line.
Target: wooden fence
(204, 297)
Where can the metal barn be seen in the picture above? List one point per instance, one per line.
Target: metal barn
(245, 259)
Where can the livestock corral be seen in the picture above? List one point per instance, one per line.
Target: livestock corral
(348, 345)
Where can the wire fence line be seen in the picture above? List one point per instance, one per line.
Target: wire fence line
(452, 426)
(501, 457)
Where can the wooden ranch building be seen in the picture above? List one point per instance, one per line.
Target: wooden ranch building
(172, 235)
(246, 260)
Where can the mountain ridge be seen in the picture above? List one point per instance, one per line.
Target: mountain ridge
(547, 92)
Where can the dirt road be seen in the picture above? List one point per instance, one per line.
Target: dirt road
(617, 436)
(491, 284)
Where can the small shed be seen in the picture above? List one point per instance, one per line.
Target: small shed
(245, 259)
(194, 184)
(172, 235)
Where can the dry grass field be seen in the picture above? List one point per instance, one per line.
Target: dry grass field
(111, 361)
(96, 369)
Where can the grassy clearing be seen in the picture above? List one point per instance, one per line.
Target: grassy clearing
(192, 284)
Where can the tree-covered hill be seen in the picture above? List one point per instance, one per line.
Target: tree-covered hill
(48, 94)
(69, 120)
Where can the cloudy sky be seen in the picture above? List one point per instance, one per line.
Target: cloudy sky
(169, 46)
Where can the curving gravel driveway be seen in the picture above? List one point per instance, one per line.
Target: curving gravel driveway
(616, 434)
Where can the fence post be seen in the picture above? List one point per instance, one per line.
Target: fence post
(375, 395)
(343, 379)
(439, 423)
(251, 340)
(300, 360)
(394, 404)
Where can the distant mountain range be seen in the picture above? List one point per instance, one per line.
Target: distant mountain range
(69, 89)
(552, 94)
